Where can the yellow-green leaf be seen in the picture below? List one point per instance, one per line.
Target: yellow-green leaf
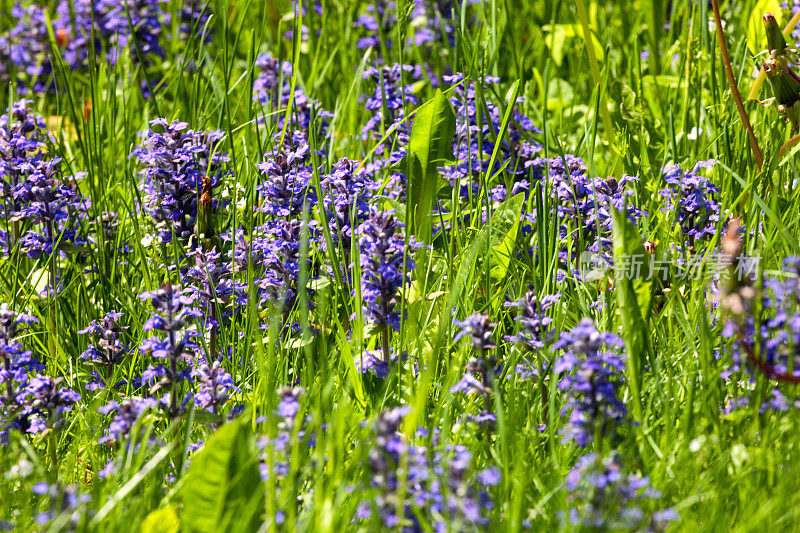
(164, 520)
(756, 35)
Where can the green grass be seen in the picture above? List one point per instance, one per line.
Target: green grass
(719, 471)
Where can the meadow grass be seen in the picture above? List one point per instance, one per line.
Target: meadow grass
(623, 112)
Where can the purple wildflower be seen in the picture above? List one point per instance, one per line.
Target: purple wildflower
(214, 386)
(532, 319)
(287, 176)
(107, 349)
(345, 195)
(45, 395)
(25, 48)
(273, 91)
(66, 505)
(175, 344)
(22, 137)
(176, 161)
(440, 486)
(481, 369)
(15, 413)
(382, 249)
(602, 497)
(593, 370)
(126, 416)
(213, 287)
(480, 331)
(691, 197)
(387, 104)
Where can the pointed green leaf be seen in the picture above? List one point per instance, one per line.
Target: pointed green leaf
(633, 287)
(430, 146)
(505, 224)
(223, 487)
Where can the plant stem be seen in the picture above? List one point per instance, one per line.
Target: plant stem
(726, 62)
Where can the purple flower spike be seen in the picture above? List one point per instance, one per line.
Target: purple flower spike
(382, 250)
(107, 349)
(693, 199)
(593, 372)
(602, 497)
(214, 386)
(176, 161)
(439, 484)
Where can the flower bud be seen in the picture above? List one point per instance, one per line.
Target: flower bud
(775, 40)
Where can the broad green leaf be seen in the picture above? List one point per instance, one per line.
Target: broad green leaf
(505, 224)
(560, 34)
(222, 488)
(756, 34)
(631, 266)
(430, 146)
(503, 218)
(163, 520)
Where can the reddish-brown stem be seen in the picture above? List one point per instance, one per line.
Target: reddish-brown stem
(784, 151)
(726, 62)
(765, 368)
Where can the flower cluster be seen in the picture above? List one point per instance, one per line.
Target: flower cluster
(177, 160)
(584, 204)
(532, 319)
(51, 202)
(533, 334)
(763, 333)
(593, 370)
(22, 139)
(272, 89)
(691, 197)
(127, 413)
(24, 49)
(429, 22)
(393, 92)
(216, 294)
(385, 267)
(214, 386)
(175, 344)
(345, 195)
(41, 207)
(481, 369)
(477, 127)
(107, 349)
(135, 29)
(287, 173)
(439, 488)
(276, 247)
(65, 505)
(17, 364)
(291, 433)
(48, 401)
(603, 498)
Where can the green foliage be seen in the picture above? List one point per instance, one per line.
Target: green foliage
(222, 490)
(163, 520)
(756, 34)
(429, 147)
(668, 102)
(633, 287)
